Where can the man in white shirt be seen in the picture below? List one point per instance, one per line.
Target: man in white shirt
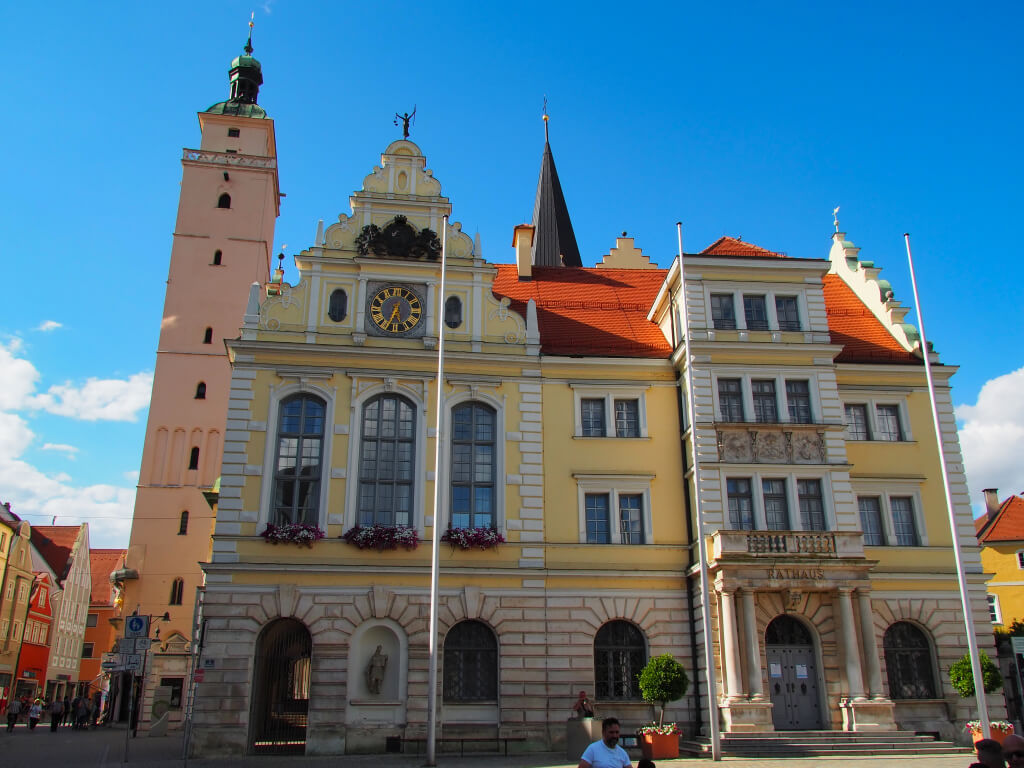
(606, 753)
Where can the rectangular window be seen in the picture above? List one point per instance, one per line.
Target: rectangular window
(627, 418)
(90, 620)
(776, 507)
(592, 416)
(888, 418)
(871, 520)
(16, 634)
(631, 518)
(10, 590)
(741, 504)
(903, 524)
(756, 312)
(234, 133)
(22, 593)
(765, 408)
(798, 397)
(857, 422)
(597, 518)
(812, 506)
(730, 400)
(87, 650)
(994, 614)
(1020, 559)
(4, 626)
(176, 684)
(723, 313)
(787, 312)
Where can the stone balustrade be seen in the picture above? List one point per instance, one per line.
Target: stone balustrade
(228, 158)
(816, 544)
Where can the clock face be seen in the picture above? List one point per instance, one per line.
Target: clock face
(395, 309)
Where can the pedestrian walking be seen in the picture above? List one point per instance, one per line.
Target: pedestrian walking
(13, 713)
(82, 714)
(56, 714)
(34, 713)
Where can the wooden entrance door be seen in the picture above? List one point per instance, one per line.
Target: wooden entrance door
(792, 676)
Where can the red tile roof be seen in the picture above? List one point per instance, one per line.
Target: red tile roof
(102, 562)
(55, 543)
(732, 246)
(589, 311)
(864, 338)
(1007, 525)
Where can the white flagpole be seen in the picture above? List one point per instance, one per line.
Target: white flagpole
(702, 548)
(435, 548)
(972, 641)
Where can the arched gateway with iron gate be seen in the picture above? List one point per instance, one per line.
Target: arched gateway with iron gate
(280, 691)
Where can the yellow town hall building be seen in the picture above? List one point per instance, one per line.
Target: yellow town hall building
(567, 482)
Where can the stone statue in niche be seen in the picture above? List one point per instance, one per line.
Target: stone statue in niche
(375, 670)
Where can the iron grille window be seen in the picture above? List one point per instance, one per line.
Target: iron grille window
(470, 663)
(812, 506)
(776, 506)
(627, 418)
(903, 524)
(798, 398)
(908, 662)
(619, 655)
(592, 416)
(765, 405)
(741, 503)
(473, 466)
(723, 313)
(756, 313)
(631, 518)
(386, 461)
(871, 520)
(597, 518)
(730, 400)
(787, 312)
(857, 422)
(299, 458)
(888, 419)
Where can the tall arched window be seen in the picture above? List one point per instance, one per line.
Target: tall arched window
(201, 390)
(224, 201)
(217, 255)
(337, 307)
(453, 312)
(908, 662)
(208, 336)
(183, 523)
(386, 461)
(470, 663)
(473, 466)
(300, 437)
(193, 458)
(177, 591)
(619, 654)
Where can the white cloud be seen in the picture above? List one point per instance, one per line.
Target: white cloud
(20, 377)
(69, 450)
(992, 437)
(98, 399)
(49, 325)
(132, 475)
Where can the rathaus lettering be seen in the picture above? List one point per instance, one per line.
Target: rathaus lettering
(796, 573)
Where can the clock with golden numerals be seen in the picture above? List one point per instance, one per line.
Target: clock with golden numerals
(395, 309)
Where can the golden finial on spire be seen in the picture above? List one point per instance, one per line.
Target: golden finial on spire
(545, 118)
(252, 23)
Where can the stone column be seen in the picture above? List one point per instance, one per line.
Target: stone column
(753, 647)
(851, 648)
(731, 647)
(867, 640)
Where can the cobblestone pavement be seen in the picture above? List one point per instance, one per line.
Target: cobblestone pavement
(105, 748)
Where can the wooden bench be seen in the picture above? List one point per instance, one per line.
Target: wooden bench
(463, 740)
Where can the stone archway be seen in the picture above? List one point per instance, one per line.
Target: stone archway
(280, 699)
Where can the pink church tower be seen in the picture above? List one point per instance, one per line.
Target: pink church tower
(222, 244)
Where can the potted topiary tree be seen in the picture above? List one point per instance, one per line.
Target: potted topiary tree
(961, 677)
(662, 680)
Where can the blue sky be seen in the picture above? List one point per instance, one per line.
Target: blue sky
(741, 119)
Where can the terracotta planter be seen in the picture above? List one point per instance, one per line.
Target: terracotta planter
(655, 746)
(977, 736)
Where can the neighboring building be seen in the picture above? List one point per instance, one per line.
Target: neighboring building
(834, 597)
(35, 647)
(15, 593)
(63, 554)
(102, 622)
(1001, 536)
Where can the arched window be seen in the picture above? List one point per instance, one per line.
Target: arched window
(217, 255)
(208, 336)
(282, 667)
(300, 437)
(908, 662)
(183, 523)
(453, 312)
(177, 591)
(224, 201)
(473, 466)
(470, 663)
(193, 458)
(386, 461)
(338, 306)
(619, 654)
(201, 390)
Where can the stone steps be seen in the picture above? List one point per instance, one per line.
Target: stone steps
(825, 743)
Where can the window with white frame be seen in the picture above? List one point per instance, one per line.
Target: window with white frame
(776, 504)
(610, 412)
(739, 396)
(386, 461)
(890, 519)
(741, 503)
(904, 526)
(473, 466)
(887, 417)
(876, 420)
(1020, 559)
(798, 398)
(994, 614)
(788, 313)
(762, 310)
(857, 422)
(614, 509)
(300, 437)
(812, 504)
(730, 400)
(723, 312)
(755, 312)
(870, 508)
(772, 502)
(766, 409)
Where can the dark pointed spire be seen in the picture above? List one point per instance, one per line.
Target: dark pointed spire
(245, 77)
(554, 242)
